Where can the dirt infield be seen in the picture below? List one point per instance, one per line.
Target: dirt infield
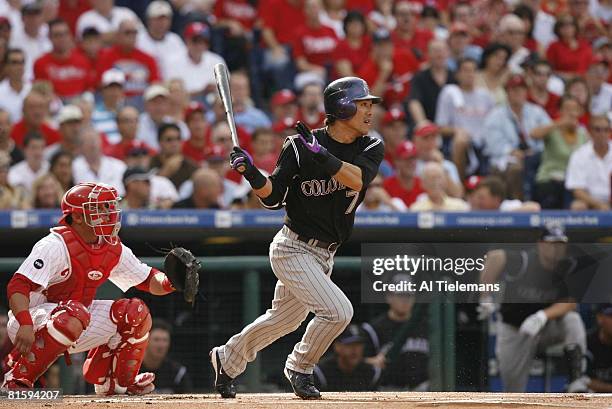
(369, 400)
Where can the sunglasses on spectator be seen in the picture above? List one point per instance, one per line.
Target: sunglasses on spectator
(130, 32)
(600, 129)
(16, 62)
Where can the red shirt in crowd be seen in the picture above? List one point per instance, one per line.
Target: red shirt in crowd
(566, 60)
(317, 45)
(198, 155)
(315, 123)
(19, 131)
(71, 10)
(551, 106)
(353, 55)
(364, 6)
(283, 18)
(70, 76)
(405, 65)
(393, 186)
(120, 150)
(140, 68)
(418, 42)
(239, 10)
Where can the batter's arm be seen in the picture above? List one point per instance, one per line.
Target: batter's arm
(350, 176)
(559, 309)
(493, 266)
(273, 192)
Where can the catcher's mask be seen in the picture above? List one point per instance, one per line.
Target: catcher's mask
(99, 205)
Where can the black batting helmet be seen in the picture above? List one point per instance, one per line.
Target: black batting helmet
(339, 97)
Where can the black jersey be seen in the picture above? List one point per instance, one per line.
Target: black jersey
(411, 367)
(329, 377)
(171, 377)
(599, 358)
(317, 205)
(529, 287)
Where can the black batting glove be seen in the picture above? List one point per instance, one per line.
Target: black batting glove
(242, 162)
(329, 162)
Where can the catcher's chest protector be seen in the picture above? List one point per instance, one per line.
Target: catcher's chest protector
(88, 269)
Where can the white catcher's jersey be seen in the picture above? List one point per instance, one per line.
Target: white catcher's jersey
(49, 263)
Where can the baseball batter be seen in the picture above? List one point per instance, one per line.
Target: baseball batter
(320, 179)
(51, 296)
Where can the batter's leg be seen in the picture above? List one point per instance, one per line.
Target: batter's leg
(304, 270)
(515, 353)
(285, 316)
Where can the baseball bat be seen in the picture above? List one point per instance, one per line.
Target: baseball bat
(222, 79)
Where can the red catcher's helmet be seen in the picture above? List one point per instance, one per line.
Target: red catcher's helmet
(99, 204)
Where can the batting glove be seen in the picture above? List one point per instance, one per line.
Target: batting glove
(242, 162)
(534, 323)
(328, 161)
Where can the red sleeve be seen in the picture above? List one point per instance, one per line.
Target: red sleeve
(587, 56)
(154, 70)
(20, 284)
(146, 284)
(266, 12)
(342, 51)
(551, 54)
(105, 61)
(298, 45)
(39, 69)
(218, 10)
(369, 72)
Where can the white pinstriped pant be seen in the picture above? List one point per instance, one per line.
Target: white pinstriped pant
(99, 331)
(304, 285)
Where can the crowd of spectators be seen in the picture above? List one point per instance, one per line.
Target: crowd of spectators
(512, 95)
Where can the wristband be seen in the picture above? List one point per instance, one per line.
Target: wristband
(167, 285)
(255, 178)
(24, 317)
(328, 161)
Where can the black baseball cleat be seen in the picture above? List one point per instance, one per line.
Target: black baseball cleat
(302, 384)
(223, 383)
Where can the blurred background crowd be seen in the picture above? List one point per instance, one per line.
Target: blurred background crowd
(489, 104)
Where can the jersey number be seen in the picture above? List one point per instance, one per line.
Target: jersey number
(351, 206)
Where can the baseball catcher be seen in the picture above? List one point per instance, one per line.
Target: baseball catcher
(51, 296)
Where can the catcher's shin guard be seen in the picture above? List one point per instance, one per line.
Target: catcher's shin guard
(60, 333)
(114, 368)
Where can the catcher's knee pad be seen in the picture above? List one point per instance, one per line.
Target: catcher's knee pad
(132, 318)
(121, 363)
(66, 323)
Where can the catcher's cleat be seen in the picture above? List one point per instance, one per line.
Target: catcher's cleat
(143, 384)
(302, 384)
(224, 384)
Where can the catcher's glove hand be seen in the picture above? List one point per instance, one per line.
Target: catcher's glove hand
(183, 271)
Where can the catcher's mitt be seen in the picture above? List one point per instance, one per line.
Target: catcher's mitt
(183, 271)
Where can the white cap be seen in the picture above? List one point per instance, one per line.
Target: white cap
(159, 8)
(154, 91)
(69, 113)
(113, 76)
